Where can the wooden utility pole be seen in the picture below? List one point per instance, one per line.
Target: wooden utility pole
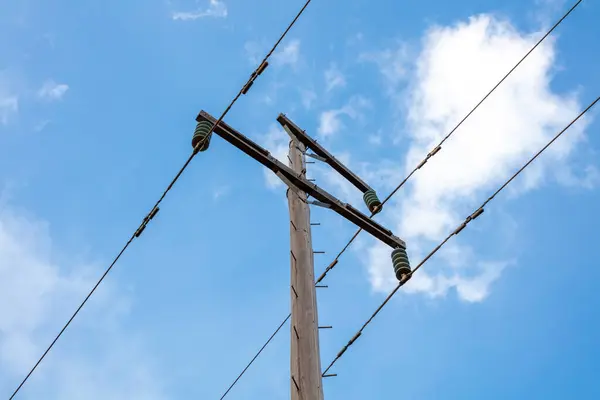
(305, 361)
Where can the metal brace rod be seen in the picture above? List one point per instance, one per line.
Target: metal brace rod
(320, 153)
(293, 180)
(319, 203)
(317, 157)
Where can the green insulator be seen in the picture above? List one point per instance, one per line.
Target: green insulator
(400, 262)
(202, 130)
(372, 201)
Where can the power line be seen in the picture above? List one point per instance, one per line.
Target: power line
(419, 166)
(257, 72)
(459, 229)
(256, 356)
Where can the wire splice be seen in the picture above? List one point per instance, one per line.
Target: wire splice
(153, 213)
(248, 86)
(262, 67)
(140, 230)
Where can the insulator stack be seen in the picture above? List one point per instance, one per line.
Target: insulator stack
(200, 134)
(400, 262)
(372, 201)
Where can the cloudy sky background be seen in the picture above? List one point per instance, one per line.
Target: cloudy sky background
(97, 108)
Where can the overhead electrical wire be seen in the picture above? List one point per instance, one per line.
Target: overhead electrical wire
(432, 153)
(256, 356)
(261, 67)
(459, 229)
(437, 148)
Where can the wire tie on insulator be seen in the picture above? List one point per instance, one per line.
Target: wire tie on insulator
(422, 163)
(434, 151)
(197, 147)
(342, 351)
(405, 278)
(262, 67)
(376, 209)
(460, 228)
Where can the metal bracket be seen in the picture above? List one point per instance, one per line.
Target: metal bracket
(316, 157)
(320, 153)
(319, 203)
(293, 180)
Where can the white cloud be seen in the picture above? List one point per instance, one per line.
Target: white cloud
(9, 105)
(40, 126)
(308, 97)
(589, 178)
(254, 51)
(52, 90)
(394, 64)
(334, 78)
(220, 192)
(9, 100)
(454, 70)
(330, 120)
(546, 11)
(37, 295)
(289, 54)
(215, 9)
(355, 39)
(375, 139)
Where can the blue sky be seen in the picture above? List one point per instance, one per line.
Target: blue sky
(97, 108)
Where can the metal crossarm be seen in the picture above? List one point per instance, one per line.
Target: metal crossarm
(321, 153)
(263, 156)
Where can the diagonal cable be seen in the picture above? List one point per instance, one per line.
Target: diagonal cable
(261, 67)
(459, 229)
(255, 357)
